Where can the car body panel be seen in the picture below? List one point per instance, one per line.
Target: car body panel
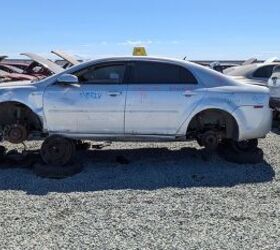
(54, 68)
(87, 108)
(253, 122)
(24, 92)
(250, 61)
(10, 69)
(160, 109)
(69, 58)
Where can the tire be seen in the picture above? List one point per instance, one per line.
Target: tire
(243, 146)
(2, 153)
(82, 146)
(57, 151)
(247, 157)
(57, 172)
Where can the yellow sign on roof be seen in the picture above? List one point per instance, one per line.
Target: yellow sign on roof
(139, 51)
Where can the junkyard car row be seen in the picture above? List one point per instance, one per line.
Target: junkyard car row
(137, 99)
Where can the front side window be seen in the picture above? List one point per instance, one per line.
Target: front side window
(161, 73)
(264, 72)
(102, 74)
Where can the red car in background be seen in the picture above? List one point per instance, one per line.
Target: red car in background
(39, 68)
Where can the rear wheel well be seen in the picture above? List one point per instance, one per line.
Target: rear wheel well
(213, 120)
(18, 113)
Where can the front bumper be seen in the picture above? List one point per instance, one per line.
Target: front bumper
(274, 103)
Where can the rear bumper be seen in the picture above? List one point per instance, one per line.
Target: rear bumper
(253, 123)
(274, 103)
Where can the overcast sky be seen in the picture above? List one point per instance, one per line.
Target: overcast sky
(198, 29)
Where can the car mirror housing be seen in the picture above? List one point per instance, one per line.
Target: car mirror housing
(68, 79)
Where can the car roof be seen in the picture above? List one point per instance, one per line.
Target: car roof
(140, 59)
(203, 74)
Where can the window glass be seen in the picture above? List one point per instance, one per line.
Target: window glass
(102, 74)
(154, 72)
(264, 72)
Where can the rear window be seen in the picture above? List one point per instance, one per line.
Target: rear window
(161, 73)
(264, 72)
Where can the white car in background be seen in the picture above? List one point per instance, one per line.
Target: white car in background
(133, 99)
(263, 74)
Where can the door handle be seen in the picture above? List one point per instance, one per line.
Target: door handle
(114, 94)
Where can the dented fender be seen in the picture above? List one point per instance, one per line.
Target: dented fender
(25, 93)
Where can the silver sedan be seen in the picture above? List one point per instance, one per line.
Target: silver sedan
(134, 98)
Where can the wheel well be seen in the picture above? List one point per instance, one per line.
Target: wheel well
(18, 113)
(216, 120)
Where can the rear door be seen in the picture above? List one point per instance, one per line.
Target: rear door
(160, 96)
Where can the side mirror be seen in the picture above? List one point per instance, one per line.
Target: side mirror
(68, 79)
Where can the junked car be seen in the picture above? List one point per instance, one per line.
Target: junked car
(12, 73)
(40, 66)
(133, 99)
(258, 74)
(220, 67)
(14, 63)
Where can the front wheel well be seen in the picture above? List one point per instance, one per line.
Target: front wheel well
(18, 113)
(214, 120)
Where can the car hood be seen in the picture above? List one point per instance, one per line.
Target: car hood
(44, 62)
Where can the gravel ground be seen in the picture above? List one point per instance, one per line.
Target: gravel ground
(166, 197)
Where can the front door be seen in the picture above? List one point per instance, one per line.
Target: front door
(94, 106)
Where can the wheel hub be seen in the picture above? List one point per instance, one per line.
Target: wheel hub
(210, 140)
(16, 134)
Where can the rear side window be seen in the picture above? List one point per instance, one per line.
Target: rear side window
(161, 73)
(264, 72)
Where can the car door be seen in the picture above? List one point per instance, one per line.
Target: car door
(160, 97)
(94, 106)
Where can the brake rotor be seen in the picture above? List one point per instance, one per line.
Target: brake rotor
(210, 140)
(16, 134)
